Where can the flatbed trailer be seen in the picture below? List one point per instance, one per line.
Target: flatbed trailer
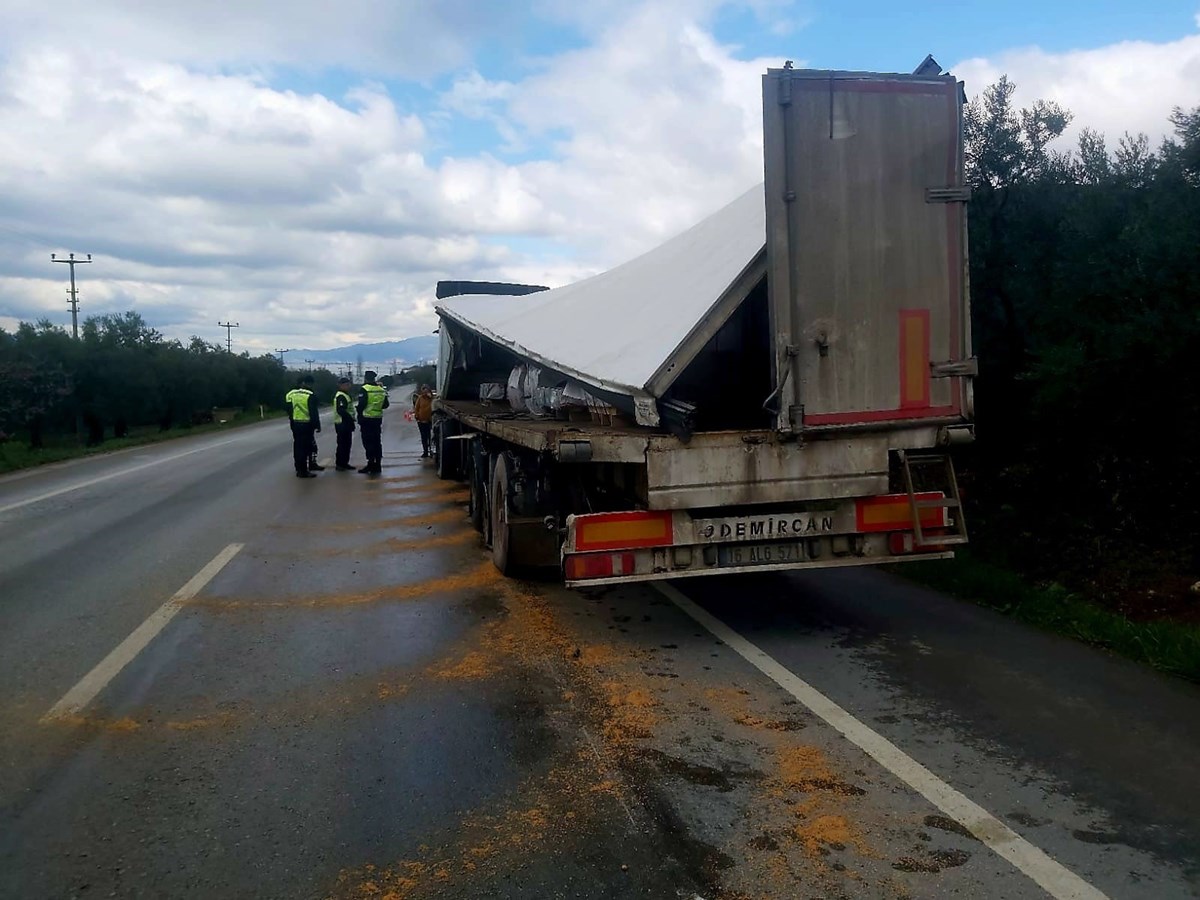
(779, 387)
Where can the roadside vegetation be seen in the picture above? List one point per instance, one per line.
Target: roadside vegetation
(123, 384)
(1085, 289)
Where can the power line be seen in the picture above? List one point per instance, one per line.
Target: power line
(71, 292)
(229, 326)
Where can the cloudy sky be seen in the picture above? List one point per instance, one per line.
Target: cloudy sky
(311, 169)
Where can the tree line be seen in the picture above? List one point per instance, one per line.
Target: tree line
(121, 374)
(1085, 289)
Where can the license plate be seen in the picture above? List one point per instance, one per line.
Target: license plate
(760, 554)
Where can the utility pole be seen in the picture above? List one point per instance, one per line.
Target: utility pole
(229, 326)
(310, 362)
(74, 294)
(282, 351)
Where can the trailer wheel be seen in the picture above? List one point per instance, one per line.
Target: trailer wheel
(501, 531)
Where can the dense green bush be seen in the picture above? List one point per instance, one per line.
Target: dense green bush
(1085, 284)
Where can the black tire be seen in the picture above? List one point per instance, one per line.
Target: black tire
(501, 533)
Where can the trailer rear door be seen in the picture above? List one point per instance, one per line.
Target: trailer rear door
(866, 248)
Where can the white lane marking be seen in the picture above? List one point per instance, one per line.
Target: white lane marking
(1054, 878)
(94, 681)
(75, 487)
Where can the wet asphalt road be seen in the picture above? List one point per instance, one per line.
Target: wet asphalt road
(357, 706)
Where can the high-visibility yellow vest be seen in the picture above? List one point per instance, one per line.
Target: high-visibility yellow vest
(349, 406)
(298, 397)
(373, 408)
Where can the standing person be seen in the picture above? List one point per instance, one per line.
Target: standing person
(343, 424)
(372, 401)
(423, 413)
(305, 422)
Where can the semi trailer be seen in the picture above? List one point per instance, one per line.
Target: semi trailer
(781, 386)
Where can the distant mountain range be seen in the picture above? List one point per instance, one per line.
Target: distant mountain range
(380, 357)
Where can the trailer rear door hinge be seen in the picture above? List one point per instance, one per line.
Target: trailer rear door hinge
(947, 194)
(955, 368)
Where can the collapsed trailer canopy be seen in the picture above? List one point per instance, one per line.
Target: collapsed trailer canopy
(632, 329)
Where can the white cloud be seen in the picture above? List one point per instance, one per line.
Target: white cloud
(217, 195)
(656, 124)
(1131, 86)
(411, 38)
(474, 96)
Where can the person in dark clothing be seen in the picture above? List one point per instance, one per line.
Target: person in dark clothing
(343, 424)
(305, 423)
(372, 401)
(423, 413)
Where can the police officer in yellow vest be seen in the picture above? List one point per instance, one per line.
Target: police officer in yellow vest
(302, 415)
(372, 401)
(343, 424)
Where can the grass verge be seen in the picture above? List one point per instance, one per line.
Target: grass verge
(16, 455)
(1167, 645)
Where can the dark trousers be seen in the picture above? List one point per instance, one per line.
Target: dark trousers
(372, 440)
(345, 440)
(303, 444)
(425, 428)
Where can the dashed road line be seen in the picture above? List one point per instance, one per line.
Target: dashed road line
(94, 681)
(1054, 878)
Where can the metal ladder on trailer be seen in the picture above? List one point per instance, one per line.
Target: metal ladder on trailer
(951, 501)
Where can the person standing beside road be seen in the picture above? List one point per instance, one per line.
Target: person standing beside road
(372, 401)
(305, 423)
(343, 424)
(423, 413)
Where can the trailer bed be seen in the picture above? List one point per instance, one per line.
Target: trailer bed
(608, 443)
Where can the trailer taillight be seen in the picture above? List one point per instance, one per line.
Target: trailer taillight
(902, 542)
(623, 530)
(599, 565)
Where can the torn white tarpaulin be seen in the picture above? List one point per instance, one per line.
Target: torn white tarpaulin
(616, 329)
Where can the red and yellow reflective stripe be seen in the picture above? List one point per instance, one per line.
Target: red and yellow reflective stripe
(914, 358)
(625, 530)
